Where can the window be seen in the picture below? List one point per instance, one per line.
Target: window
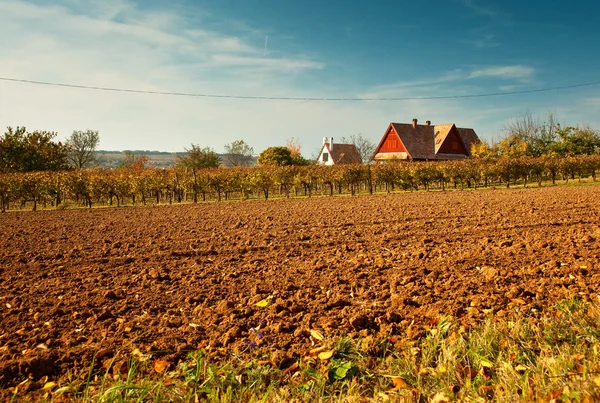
(325, 157)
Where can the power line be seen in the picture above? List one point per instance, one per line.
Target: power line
(256, 97)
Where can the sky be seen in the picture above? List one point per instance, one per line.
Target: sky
(299, 49)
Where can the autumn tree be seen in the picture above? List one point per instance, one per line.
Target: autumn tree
(198, 157)
(275, 156)
(23, 151)
(238, 153)
(540, 133)
(484, 151)
(82, 148)
(512, 146)
(577, 140)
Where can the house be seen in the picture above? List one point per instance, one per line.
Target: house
(335, 154)
(405, 141)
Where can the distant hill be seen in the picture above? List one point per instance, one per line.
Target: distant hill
(158, 159)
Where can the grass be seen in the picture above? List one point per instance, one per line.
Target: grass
(519, 358)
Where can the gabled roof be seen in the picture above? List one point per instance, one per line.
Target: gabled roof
(469, 137)
(418, 141)
(423, 141)
(343, 153)
(440, 133)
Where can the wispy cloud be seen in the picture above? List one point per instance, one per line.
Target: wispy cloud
(491, 12)
(487, 41)
(518, 72)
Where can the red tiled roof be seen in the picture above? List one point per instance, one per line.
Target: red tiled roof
(423, 142)
(343, 153)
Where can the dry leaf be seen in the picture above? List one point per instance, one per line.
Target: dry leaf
(597, 381)
(424, 371)
(317, 350)
(160, 366)
(325, 355)
(49, 385)
(291, 368)
(262, 303)
(518, 301)
(399, 383)
(486, 364)
(521, 368)
(317, 335)
(577, 357)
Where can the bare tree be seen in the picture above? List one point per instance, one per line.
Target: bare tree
(82, 146)
(365, 146)
(538, 132)
(238, 153)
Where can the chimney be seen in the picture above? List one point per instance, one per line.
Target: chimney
(428, 123)
(325, 139)
(331, 144)
(414, 123)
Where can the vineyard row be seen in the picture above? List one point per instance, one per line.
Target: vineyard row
(103, 187)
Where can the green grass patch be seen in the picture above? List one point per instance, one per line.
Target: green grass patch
(550, 357)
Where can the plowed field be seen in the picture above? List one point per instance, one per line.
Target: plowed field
(166, 280)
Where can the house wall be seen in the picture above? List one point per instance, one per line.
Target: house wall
(392, 144)
(320, 159)
(452, 144)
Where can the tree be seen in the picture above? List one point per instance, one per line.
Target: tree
(539, 133)
(365, 147)
(484, 151)
(277, 156)
(197, 157)
(23, 151)
(512, 146)
(82, 144)
(238, 153)
(577, 140)
(294, 146)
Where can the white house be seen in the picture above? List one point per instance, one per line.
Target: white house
(334, 154)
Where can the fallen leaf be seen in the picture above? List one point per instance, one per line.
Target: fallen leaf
(325, 355)
(262, 303)
(49, 385)
(520, 368)
(577, 357)
(597, 381)
(291, 368)
(424, 371)
(317, 350)
(518, 301)
(160, 366)
(317, 335)
(486, 363)
(399, 383)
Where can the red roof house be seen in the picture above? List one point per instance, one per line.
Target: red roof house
(336, 154)
(405, 141)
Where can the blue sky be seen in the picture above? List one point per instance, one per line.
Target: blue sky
(291, 49)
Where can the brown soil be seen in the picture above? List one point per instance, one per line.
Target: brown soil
(166, 280)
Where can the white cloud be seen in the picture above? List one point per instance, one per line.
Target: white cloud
(117, 44)
(486, 41)
(505, 72)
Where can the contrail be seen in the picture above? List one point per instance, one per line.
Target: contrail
(266, 43)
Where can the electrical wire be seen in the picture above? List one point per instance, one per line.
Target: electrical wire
(257, 97)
